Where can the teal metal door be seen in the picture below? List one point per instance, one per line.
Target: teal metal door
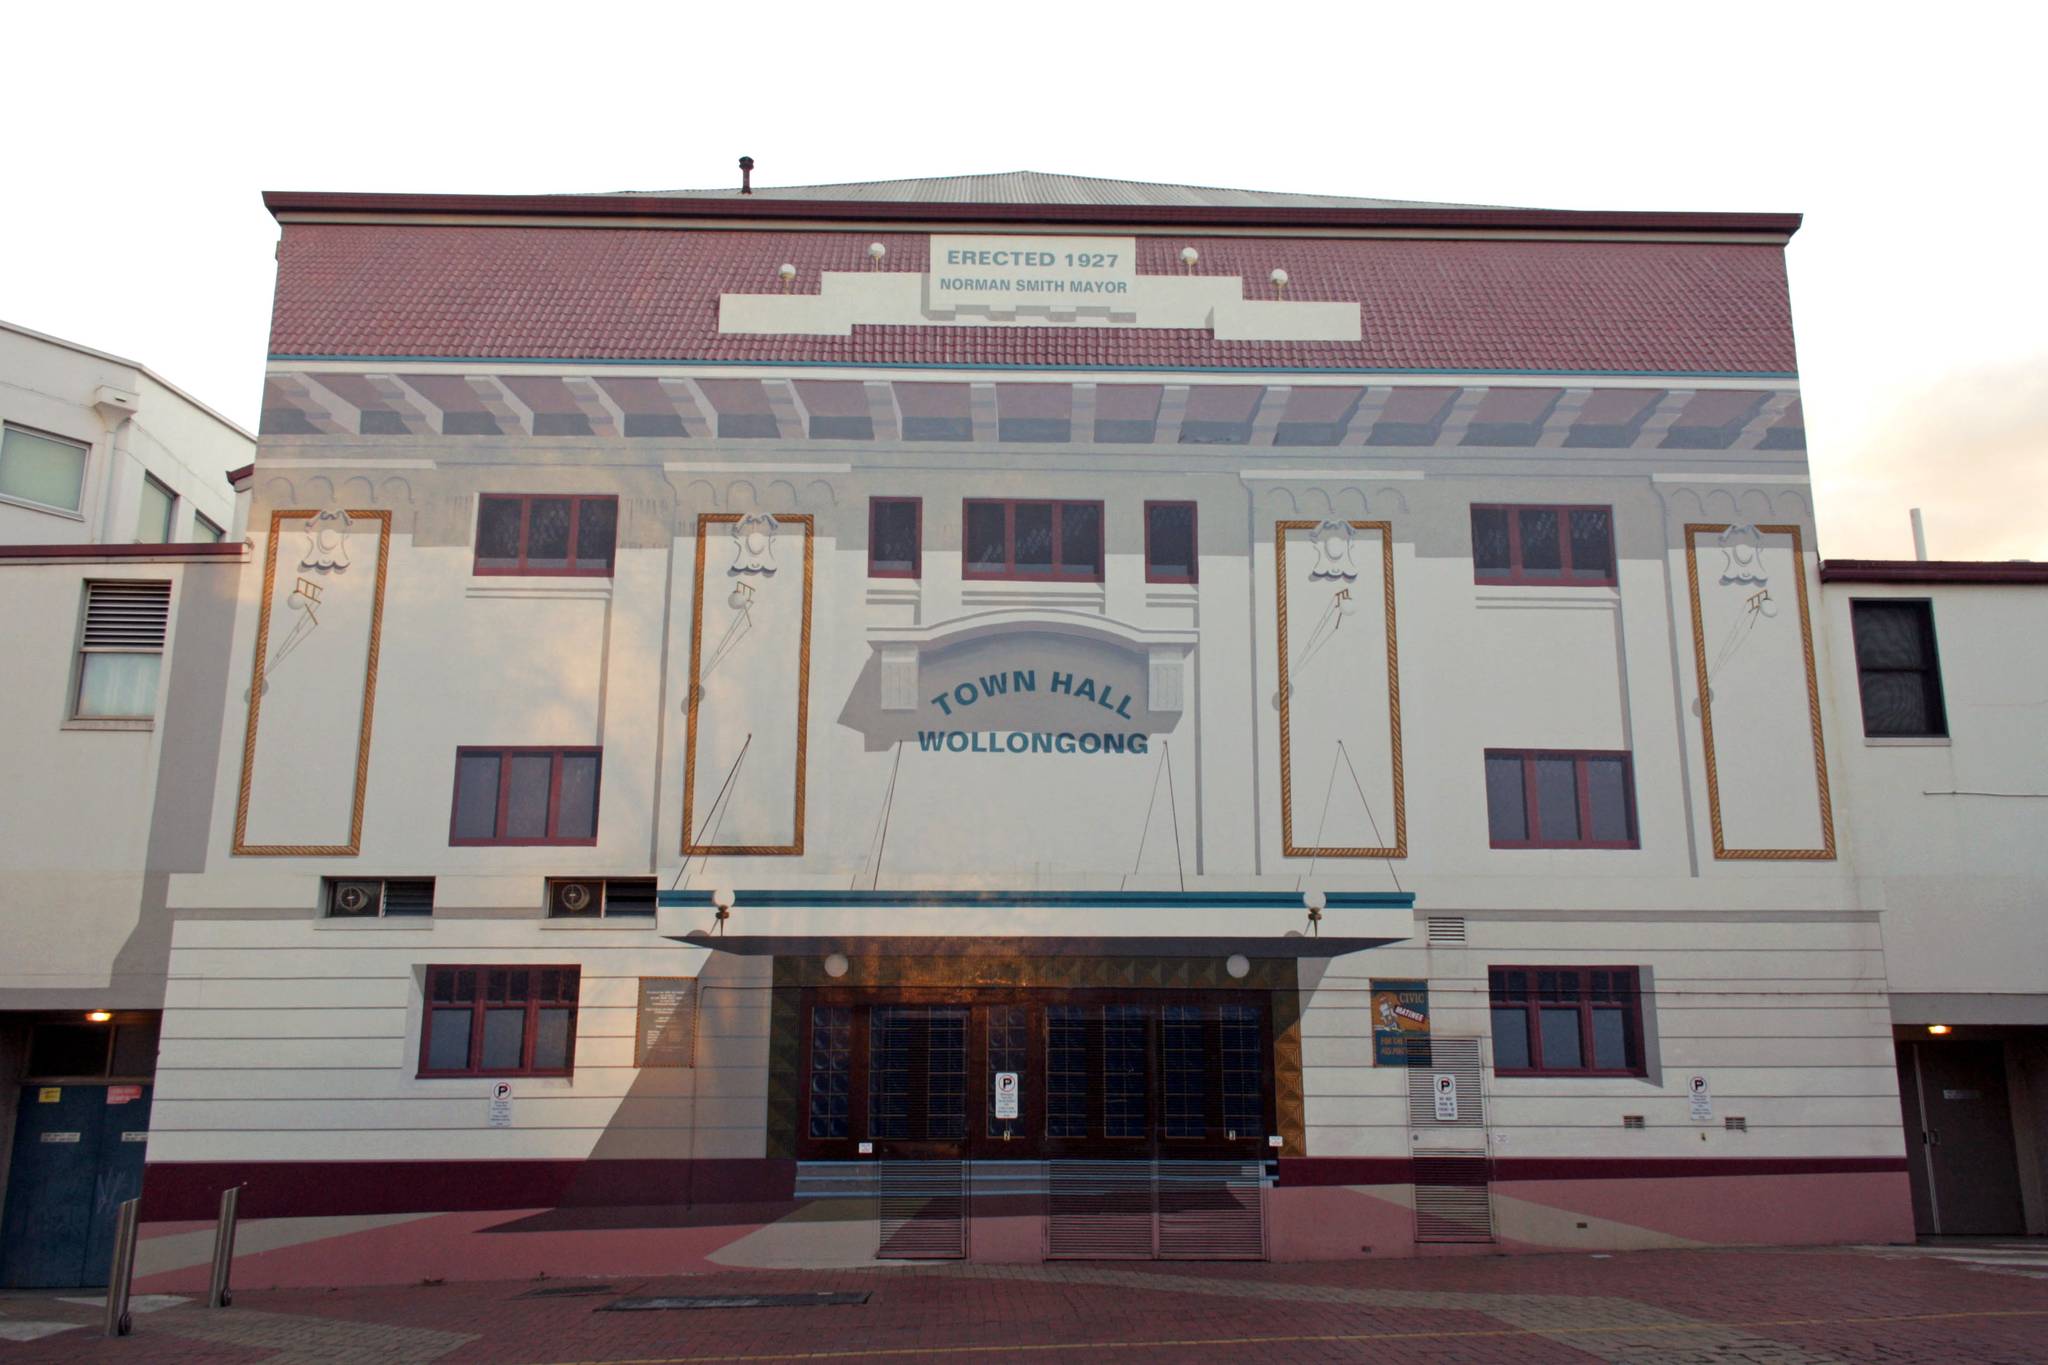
(78, 1153)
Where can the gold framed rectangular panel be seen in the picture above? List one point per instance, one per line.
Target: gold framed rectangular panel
(1293, 673)
(299, 683)
(1769, 721)
(733, 739)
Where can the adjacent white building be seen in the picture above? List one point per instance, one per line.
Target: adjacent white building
(120, 555)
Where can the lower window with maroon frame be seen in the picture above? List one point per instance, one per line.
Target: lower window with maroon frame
(500, 1021)
(1551, 798)
(1566, 1021)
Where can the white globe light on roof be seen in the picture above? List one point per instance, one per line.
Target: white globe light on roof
(877, 251)
(787, 272)
(1188, 256)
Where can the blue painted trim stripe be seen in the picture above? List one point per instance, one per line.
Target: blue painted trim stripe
(1029, 369)
(1104, 900)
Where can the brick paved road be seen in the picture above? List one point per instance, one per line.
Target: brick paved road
(1843, 1307)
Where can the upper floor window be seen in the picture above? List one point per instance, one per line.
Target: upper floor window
(155, 513)
(895, 537)
(48, 471)
(545, 534)
(1169, 542)
(121, 650)
(525, 796)
(205, 531)
(1897, 670)
(1061, 540)
(1566, 1021)
(500, 1021)
(1573, 545)
(1548, 799)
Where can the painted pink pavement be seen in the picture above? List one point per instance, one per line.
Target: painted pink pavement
(1836, 1306)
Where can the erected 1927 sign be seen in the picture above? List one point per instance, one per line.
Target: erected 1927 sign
(1006, 273)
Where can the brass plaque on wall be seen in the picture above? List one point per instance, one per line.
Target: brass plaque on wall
(667, 1033)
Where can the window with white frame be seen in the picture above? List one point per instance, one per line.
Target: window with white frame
(121, 649)
(45, 470)
(205, 531)
(154, 513)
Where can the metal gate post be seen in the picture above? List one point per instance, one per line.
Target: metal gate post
(122, 1273)
(217, 1295)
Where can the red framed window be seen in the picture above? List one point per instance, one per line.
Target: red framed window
(895, 537)
(1170, 552)
(525, 796)
(500, 1021)
(1544, 798)
(1017, 539)
(1543, 545)
(546, 534)
(1566, 1021)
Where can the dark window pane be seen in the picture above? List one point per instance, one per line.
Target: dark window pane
(504, 1039)
(578, 818)
(1510, 1039)
(1034, 536)
(1243, 1071)
(68, 1050)
(497, 533)
(1561, 1040)
(985, 537)
(476, 796)
(1542, 555)
(1170, 541)
(554, 1035)
(1066, 1071)
(1490, 539)
(547, 533)
(1891, 634)
(1123, 1071)
(1506, 819)
(526, 811)
(1008, 1047)
(1607, 787)
(597, 531)
(1592, 545)
(1080, 539)
(1183, 1055)
(448, 1040)
(945, 1073)
(895, 548)
(1610, 1039)
(135, 1049)
(889, 1071)
(1557, 800)
(1899, 704)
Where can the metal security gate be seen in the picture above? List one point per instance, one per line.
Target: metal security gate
(1447, 1123)
(923, 1210)
(1156, 1210)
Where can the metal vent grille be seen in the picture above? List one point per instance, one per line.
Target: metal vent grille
(1456, 1057)
(410, 897)
(1735, 1123)
(1633, 1121)
(1453, 1201)
(127, 616)
(1446, 929)
(923, 1210)
(1100, 1210)
(1212, 1210)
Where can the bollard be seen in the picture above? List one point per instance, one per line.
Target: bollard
(122, 1273)
(217, 1295)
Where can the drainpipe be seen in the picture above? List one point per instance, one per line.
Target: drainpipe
(117, 408)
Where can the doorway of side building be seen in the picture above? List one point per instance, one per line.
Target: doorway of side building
(1960, 1147)
(81, 1129)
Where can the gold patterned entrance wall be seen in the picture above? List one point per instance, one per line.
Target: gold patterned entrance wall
(1278, 978)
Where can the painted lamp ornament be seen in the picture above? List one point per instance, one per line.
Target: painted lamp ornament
(1742, 556)
(326, 535)
(753, 543)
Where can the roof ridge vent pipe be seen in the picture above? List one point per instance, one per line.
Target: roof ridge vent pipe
(1919, 537)
(746, 175)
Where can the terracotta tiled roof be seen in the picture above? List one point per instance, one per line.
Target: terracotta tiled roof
(631, 294)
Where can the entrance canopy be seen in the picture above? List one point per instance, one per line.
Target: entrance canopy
(933, 923)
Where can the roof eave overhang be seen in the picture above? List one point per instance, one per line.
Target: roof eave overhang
(291, 204)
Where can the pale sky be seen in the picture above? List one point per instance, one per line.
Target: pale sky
(140, 140)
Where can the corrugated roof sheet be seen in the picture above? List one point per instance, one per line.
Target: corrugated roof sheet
(591, 293)
(1042, 187)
